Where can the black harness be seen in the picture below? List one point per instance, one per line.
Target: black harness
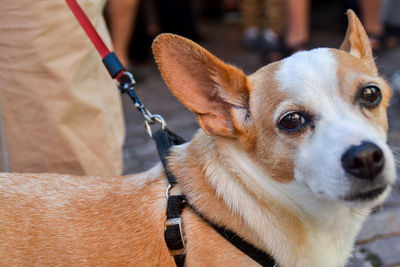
(173, 234)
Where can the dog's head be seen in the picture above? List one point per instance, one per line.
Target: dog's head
(317, 118)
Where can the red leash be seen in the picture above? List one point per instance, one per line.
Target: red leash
(117, 71)
(88, 28)
(113, 65)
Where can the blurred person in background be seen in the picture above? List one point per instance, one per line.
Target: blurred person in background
(177, 16)
(122, 18)
(263, 22)
(297, 33)
(133, 25)
(385, 31)
(370, 16)
(293, 16)
(60, 110)
(391, 18)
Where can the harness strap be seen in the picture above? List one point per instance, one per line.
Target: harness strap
(264, 259)
(173, 235)
(165, 139)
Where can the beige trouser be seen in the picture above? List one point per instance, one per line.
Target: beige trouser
(263, 14)
(59, 110)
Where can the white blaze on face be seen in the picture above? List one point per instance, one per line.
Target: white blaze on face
(309, 76)
(310, 80)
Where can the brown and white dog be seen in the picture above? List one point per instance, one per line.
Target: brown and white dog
(291, 158)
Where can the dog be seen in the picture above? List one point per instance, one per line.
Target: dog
(291, 158)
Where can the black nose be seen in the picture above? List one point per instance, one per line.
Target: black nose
(364, 161)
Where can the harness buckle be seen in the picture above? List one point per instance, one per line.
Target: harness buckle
(174, 221)
(172, 225)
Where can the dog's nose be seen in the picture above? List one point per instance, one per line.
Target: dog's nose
(364, 161)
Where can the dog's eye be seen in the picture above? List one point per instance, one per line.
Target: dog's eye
(292, 122)
(370, 96)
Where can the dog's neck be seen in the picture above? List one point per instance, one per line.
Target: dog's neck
(283, 219)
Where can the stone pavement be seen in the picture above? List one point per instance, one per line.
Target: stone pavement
(379, 241)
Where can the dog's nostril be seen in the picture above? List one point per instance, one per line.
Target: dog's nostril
(365, 161)
(357, 163)
(378, 156)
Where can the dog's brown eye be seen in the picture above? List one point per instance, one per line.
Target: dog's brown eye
(292, 122)
(370, 96)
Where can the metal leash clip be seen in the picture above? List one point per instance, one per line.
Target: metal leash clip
(150, 119)
(127, 85)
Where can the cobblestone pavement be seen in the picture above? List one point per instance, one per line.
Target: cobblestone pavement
(379, 241)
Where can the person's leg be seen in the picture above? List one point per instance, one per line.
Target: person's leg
(370, 16)
(297, 14)
(250, 13)
(274, 22)
(122, 14)
(275, 16)
(251, 23)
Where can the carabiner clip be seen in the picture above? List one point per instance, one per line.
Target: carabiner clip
(152, 119)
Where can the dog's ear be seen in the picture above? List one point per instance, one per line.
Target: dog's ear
(216, 92)
(357, 43)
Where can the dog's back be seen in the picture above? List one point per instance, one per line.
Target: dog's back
(67, 220)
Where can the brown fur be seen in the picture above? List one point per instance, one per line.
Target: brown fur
(268, 150)
(356, 42)
(203, 72)
(69, 221)
(355, 83)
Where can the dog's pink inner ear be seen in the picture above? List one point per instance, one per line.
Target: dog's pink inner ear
(357, 43)
(203, 83)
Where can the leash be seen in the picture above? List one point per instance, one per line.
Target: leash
(164, 139)
(125, 81)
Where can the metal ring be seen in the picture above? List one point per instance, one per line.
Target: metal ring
(160, 120)
(167, 191)
(127, 73)
(131, 78)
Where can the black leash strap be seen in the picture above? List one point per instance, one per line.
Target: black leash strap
(264, 259)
